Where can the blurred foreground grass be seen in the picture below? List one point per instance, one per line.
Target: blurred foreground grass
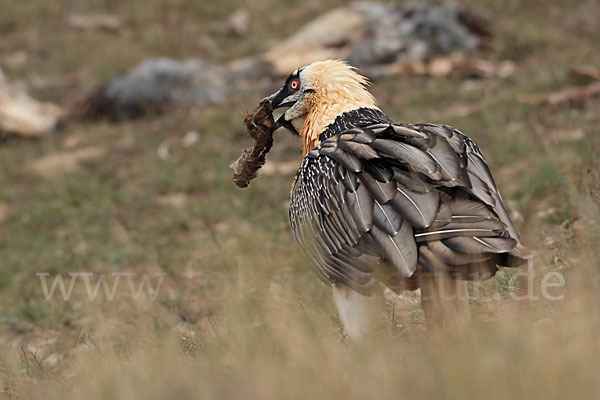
(252, 320)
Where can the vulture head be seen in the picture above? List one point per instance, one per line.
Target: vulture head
(316, 95)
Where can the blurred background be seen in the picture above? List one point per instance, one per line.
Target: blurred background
(118, 123)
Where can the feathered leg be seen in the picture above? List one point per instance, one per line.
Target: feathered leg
(357, 312)
(445, 302)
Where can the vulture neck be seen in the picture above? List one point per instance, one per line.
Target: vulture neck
(325, 110)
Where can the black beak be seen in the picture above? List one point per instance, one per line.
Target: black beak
(276, 102)
(277, 98)
(282, 122)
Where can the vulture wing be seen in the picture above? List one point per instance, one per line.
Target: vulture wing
(418, 197)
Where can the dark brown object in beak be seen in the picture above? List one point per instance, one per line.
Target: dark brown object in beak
(260, 125)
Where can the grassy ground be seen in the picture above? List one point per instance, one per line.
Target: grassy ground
(253, 321)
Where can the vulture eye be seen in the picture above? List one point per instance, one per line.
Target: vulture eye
(294, 85)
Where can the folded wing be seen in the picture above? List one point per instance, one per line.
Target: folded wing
(417, 197)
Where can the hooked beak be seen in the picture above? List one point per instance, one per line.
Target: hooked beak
(277, 98)
(276, 102)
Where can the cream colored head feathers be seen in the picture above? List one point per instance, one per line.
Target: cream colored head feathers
(336, 88)
(335, 82)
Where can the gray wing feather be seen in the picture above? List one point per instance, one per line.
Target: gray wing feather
(474, 245)
(449, 256)
(399, 250)
(386, 218)
(360, 204)
(382, 191)
(412, 157)
(348, 160)
(359, 149)
(419, 209)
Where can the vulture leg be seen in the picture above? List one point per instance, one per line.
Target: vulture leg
(357, 312)
(445, 302)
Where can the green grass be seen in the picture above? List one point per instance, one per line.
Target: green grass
(255, 322)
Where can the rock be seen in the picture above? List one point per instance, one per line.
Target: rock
(566, 135)
(157, 83)
(175, 200)
(73, 141)
(238, 22)
(17, 58)
(369, 34)
(190, 138)
(67, 161)
(94, 21)
(22, 115)
(587, 208)
(51, 361)
(163, 149)
(325, 37)
(380, 39)
(571, 96)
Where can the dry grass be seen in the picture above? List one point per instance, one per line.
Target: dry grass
(254, 322)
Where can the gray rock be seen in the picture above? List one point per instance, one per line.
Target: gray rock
(369, 36)
(414, 31)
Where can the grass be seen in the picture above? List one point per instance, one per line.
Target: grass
(253, 321)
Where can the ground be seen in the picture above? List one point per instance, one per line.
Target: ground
(238, 313)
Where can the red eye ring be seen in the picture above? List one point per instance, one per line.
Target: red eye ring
(294, 84)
